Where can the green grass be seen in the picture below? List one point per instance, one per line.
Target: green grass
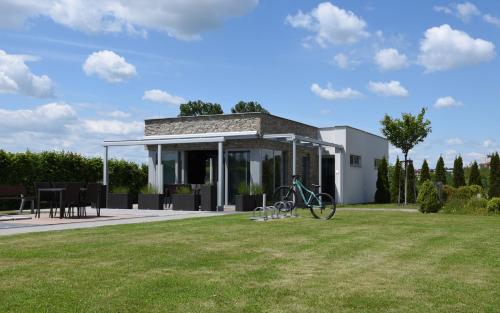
(379, 206)
(358, 262)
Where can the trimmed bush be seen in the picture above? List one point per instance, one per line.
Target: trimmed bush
(468, 192)
(428, 198)
(448, 192)
(494, 205)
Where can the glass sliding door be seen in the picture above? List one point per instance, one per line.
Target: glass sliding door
(238, 172)
(274, 166)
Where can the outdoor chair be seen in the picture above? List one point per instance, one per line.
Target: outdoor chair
(72, 199)
(93, 196)
(48, 198)
(17, 193)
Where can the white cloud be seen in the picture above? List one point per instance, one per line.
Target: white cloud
(492, 20)
(108, 66)
(341, 60)
(164, 97)
(184, 19)
(390, 59)
(447, 102)
(444, 48)
(392, 88)
(464, 11)
(488, 143)
(330, 24)
(454, 141)
(16, 77)
(112, 127)
(117, 114)
(331, 94)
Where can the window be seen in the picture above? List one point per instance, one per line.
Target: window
(273, 170)
(238, 171)
(376, 163)
(355, 160)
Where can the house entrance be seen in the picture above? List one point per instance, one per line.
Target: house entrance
(201, 166)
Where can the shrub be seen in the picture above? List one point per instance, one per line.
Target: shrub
(184, 190)
(383, 193)
(428, 198)
(494, 205)
(472, 206)
(468, 192)
(120, 189)
(149, 190)
(243, 189)
(448, 193)
(256, 189)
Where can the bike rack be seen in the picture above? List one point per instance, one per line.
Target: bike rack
(281, 209)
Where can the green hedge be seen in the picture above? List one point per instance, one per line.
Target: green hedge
(25, 168)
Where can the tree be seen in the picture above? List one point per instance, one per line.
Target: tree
(396, 182)
(440, 171)
(196, 108)
(383, 193)
(494, 179)
(424, 172)
(406, 133)
(474, 175)
(428, 198)
(411, 183)
(458, 173)
(245, 107)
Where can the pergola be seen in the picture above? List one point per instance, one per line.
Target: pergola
(218, 138)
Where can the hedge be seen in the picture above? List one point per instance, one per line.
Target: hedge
(25, 168)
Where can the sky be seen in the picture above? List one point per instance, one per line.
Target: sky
(76, 72)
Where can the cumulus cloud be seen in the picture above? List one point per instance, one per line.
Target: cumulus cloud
(112, 127)
(392, 88)
(117, 114)
(329, 93)
(16, 77)
(488, 143)
(454, 141)
(108, 66)
(464, 11)
(493, 20)
(447, 102)
(444, 48)
(157, 95)
(185, 19)
(390, 59)
(330, 24)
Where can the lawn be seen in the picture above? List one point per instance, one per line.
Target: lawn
(379, 206)
(358, 262)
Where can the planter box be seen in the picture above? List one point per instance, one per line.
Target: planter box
(119, 201)
(185, 202)
(151, 201)
(208, 195)
(244, 202)
(258, 200)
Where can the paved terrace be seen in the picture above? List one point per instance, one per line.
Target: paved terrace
(29, 224)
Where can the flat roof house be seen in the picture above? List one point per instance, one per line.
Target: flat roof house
(259, 148)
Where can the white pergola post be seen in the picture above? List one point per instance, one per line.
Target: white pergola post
(320, 172)
(159, 172)
(294, 157)
(220, 169)
(105, 172)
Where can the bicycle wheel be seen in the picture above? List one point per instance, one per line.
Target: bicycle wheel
(323, 207)
(284, 199)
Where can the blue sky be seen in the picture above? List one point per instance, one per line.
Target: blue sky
(73, 73)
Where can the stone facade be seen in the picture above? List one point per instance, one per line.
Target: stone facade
(260, 122)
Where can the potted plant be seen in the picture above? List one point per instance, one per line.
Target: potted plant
(119, 198)
(185, 199)
(243, 200)
(208, 195)
(150, 199)
(256, 191)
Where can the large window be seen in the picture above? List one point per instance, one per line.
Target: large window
(168, 161)
(274, 164)
(355, 160)
(238, 171)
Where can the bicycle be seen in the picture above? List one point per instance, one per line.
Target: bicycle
(321, 205)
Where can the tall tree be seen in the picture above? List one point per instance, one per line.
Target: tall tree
(396, 185)
(383, 193)
(474, 175)
(196, 108)
(494, 179)
(406, 133)
(424, 172)
(458, 173)
(440, 171)
(412, 188)
(246, 107)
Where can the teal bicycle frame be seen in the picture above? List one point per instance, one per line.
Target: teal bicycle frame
(311, 195)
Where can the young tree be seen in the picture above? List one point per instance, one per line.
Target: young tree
(424, 172)
(440, 171)
(411, 183)
(383, 193)
(406, 133)
(196, 108)
(474, 175)
(396, 185)
(458, 173)
(494, 180)
(245, 107)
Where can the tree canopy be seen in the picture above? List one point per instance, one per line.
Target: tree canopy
(475, 175)
(458, 173)
(440, 171)
(246, 107)
(494, 179)
(424, 172)
(196, 108)
(383, 193)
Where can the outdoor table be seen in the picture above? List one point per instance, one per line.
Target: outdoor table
(53, 190)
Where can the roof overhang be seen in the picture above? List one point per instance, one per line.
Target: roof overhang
(302, 140)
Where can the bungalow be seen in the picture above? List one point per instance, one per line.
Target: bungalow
(258, 148)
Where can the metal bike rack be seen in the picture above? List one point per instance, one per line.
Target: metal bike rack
(281, 209)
